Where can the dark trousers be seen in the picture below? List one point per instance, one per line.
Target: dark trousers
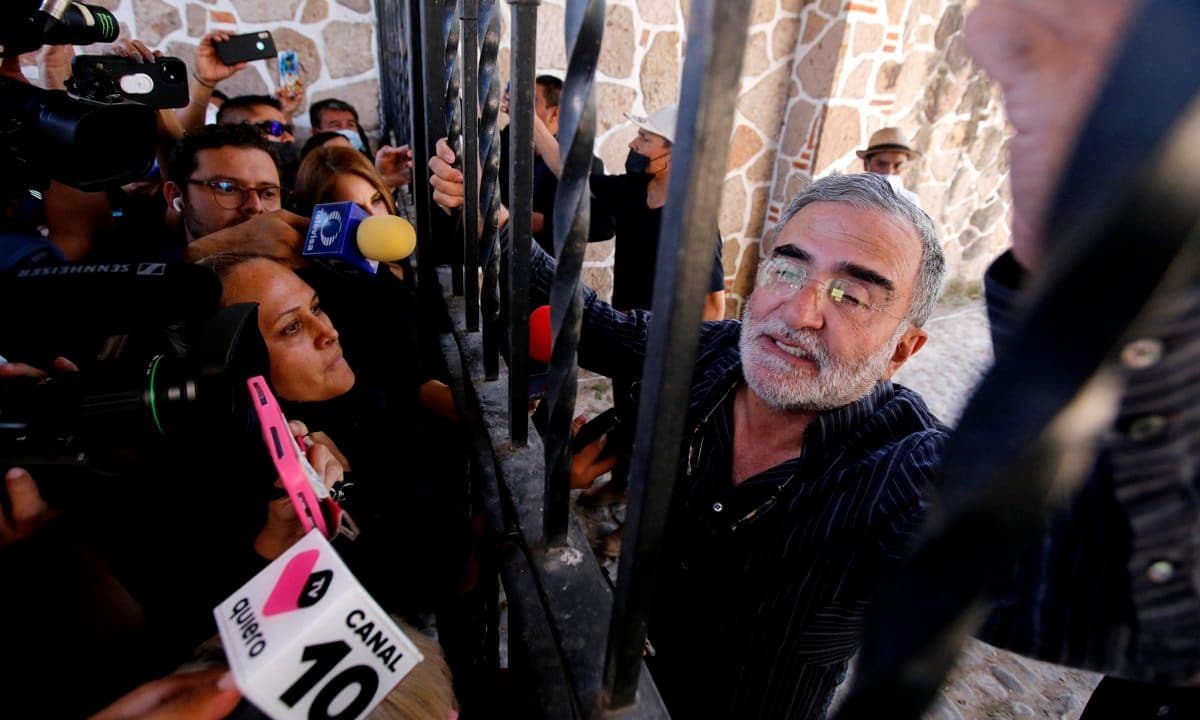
(1117, 699)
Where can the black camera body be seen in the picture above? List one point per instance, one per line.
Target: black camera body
(112, 80)
(100, 134)
(151, 386)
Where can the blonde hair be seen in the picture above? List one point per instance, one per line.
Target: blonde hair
(426, 693)
(320, 170)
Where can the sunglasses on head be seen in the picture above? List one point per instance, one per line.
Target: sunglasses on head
(274, 128)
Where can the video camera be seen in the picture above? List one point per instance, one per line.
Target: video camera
(101, 131)
(150, 383)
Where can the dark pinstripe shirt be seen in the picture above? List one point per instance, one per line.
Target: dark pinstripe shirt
(761, 596)
(1113, 584)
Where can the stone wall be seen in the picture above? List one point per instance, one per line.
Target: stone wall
(819, 76)
(868, 64)
(335, 40)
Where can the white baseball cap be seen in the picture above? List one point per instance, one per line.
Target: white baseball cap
(659, 122)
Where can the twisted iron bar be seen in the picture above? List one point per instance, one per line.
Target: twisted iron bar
(708, 98)
(469, 157)
(489, 194)
(452, 106)
(523, 59)
(452, 114)
(572, 214)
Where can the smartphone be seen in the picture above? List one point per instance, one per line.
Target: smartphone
(244, 48)
(289, 73)
(603, 424)
(109, 78)
(314, 507)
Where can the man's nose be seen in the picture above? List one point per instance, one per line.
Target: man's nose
(806, 308)
(253, 204)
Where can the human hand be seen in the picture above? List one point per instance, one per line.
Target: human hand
(54, 66)
(1050, 60)
(447, 183)
(26, 511)
(446, 180)
(290, 101)
(395, 165)
(283, 527)
(135, 50)
(12, 370)
(204, 695)
(10, 69)
(587, 465)
(278, 234)
(209, 68)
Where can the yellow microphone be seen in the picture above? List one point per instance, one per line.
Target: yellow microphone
(343, 236)
(386, 238)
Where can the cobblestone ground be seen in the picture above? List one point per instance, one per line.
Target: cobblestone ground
(987, 683)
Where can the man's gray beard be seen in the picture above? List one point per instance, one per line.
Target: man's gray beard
(784, 387)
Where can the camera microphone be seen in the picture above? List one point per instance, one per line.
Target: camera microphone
(73, 23)
(343, 235)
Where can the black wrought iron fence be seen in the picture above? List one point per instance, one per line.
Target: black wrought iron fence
(571, 625)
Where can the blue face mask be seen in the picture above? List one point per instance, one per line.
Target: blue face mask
(354, 138)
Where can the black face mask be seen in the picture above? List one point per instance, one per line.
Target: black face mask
(638, 164)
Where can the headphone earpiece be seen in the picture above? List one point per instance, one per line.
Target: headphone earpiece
(177, 203)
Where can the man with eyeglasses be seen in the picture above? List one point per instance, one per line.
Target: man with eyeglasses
(805, 471)
(221, 176)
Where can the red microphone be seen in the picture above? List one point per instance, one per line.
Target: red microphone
(540, 340)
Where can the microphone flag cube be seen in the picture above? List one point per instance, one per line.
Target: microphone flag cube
(304, 639)
(332, 238)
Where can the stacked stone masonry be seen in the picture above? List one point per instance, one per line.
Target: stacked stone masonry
(819, 76)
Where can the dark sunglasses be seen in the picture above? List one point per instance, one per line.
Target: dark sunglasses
(274, 128)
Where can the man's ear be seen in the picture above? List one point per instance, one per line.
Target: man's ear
(910, 344)
(174, 197)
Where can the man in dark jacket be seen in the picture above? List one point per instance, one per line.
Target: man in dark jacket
(805, 472)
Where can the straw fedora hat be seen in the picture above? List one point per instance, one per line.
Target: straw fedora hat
(890, 138)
